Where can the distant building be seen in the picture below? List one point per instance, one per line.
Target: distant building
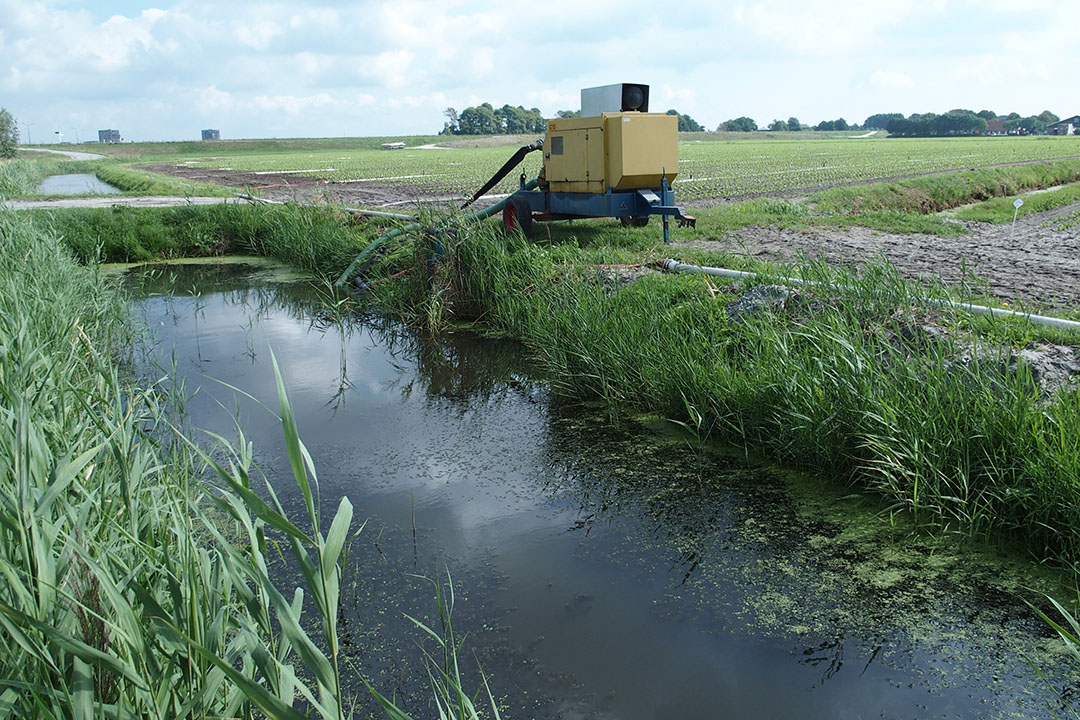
(211, 134)
(1068, 126)
(108, 136)
(995, 127)
(393, 146)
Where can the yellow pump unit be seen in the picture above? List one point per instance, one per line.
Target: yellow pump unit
(617, 160)
(616, 151)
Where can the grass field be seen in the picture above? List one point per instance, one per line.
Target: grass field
(713, 168)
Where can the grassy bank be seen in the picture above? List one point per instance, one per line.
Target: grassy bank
(138, 571)
(1001, 209)
(22, 175)
(315, 239)
(141, 182)
(844, 379)
(847, 380)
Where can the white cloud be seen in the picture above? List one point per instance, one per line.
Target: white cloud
(294, 105)
(310, 63)
(683, 98)
(258, 34)
(325, 19)
(482, 62)
(891, 80)
(212, 99)
(826, 27)
(552, 98)
(378, 67)
(389, 69)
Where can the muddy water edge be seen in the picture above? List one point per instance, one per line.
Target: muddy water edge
(600, 569)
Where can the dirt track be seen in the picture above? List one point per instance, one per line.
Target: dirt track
(287, 186)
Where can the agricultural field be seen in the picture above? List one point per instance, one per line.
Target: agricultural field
(709, 169)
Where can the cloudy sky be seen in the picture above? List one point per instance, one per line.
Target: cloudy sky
(308, 69)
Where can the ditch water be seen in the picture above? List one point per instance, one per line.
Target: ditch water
(76, 184)
(599, 571)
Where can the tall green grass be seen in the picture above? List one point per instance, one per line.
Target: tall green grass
(321, 240)
(21, 176)
(141, 182)
(124, 595)
(139, 566)
(935, 193)
(842, 379)
(1001, 210)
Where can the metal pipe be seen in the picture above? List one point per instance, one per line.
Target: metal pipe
(1060, 323)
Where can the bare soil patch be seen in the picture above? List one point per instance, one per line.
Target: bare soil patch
(289, 186)
(1035, 262)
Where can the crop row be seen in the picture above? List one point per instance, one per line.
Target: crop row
(707, 169)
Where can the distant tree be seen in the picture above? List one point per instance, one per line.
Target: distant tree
(739, 124)
(518, 120)
(9, 134)
(839, 124)
(1014, 116)
(987, 115)
(952, 123)
(568, 114)
(1048, 117)
(959, 122)
(1033, 125)
(793, 124)
(881, 120)
(686, 123)
(452, 126)
(480, 120)
(778, 126)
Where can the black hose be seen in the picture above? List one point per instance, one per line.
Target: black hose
(512, 163)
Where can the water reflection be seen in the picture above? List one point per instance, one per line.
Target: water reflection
(76, 184)
(600, 571)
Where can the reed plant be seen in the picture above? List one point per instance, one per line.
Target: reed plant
(321, 240)
(22, 175)
(142, 570)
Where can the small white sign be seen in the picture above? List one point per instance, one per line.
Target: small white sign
(1018, 202)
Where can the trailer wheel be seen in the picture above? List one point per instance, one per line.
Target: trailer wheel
(517, 214)
(634, 221)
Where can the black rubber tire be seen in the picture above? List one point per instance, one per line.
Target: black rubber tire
(517, 214)
(634, 221)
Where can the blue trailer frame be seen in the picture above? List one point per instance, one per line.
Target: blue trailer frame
(546, 205)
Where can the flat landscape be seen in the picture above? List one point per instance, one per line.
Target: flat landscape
(723, 167)
(855, 381)
(1036, 261)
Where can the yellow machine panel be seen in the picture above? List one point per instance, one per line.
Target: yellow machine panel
(574, 155)
(617, 151)
(641, 147)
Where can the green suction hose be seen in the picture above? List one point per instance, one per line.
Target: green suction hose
(396, 232)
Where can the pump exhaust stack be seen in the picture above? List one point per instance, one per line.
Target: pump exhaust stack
(620, 97)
